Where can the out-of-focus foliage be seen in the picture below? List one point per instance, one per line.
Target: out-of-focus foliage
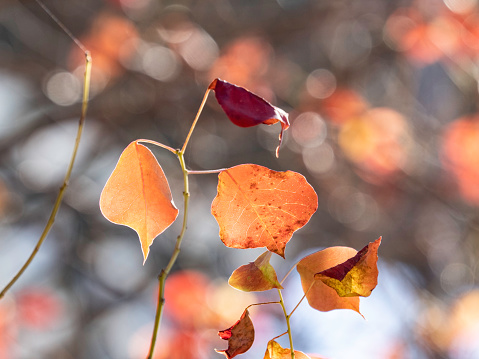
(382, 97)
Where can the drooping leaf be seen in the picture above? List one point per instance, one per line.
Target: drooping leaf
(318, 294)
(246, 109)
(240, 336)
(276, 351)
(137, 195)
(259, 207)
(357, 276)
(256, 276)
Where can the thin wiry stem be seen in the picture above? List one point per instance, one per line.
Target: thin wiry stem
(205, 97)
(304, 296)
(159, 144)
(61, 193)
(206, 172)
(164, 273)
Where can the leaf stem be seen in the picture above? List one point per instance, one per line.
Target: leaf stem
(206, 172)
(164, 273)
(304, 296)
(264, 303)
(195, 120)
(286, 316)
(158, 144)
(61, 193)
(287, 274)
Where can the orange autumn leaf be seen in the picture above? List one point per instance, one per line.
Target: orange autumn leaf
(357, 276)
(256, 276)
(137, 195)
(240, 336)
(275, 351)
(259, 207)
(319, 295)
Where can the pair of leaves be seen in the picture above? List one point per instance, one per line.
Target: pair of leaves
(137, 193)
(333, 278)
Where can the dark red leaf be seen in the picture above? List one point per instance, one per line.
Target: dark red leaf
(245, 109)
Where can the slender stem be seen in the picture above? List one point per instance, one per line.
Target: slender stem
(287, 274)
(164, 273)
(158, 144)
(61, 193)
(195, 120)
(279, 336)
(286, 316)
(206, 172)
(304, 296)
(251, 305)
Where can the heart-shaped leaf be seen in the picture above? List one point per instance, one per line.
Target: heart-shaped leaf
(259, 207)
(256, 276)
(240, 336)
(357, 276)
(246, 109)
(276, 351)
(137, 195)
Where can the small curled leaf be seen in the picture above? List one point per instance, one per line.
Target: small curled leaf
(256, 276)
(240, 336)
(246, 109)
(276, 351)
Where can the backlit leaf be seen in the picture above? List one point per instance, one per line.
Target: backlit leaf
(245, 109)
(275, 351)
(357, 276)
(137, 195)
(240, 336)
(259, 207)
(256, 276)
(318, 294)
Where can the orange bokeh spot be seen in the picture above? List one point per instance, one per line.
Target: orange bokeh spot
(343, 105)
(245, 62)
(461, 155)
(378, 142)
(110, 39)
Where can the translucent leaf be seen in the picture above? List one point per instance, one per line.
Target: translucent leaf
(256, 276)
(357, 276)
(137, 195)
(259, 207)
(245, 109)
(240, 336)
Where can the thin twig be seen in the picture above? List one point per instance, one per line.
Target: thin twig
(164, 273)
(61, 193)
(286, 316)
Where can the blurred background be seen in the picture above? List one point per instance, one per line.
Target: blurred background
(382, 97)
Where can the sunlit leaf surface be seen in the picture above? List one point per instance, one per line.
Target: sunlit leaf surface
(259, 207)
(137, 195)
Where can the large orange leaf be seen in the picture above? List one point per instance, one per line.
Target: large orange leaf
(256, 276)
(137, 195)
(259, 207)
(319, 295)
(276, 351)
(357, 276)
(240, 336)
